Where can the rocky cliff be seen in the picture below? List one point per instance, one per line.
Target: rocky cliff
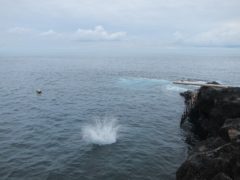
(214, 114)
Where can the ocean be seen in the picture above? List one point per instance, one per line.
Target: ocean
(99, 117)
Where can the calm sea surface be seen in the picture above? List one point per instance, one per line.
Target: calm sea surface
(98, 118)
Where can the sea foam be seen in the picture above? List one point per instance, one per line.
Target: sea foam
(171, 87)
(143, 83)
(101, 131)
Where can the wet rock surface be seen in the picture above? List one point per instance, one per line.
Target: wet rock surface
(214, 114)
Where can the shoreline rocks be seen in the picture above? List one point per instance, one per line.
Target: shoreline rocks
(214, 114)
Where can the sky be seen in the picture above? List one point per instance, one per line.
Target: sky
(111, 25)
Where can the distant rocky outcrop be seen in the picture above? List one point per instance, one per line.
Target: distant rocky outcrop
(214, 114)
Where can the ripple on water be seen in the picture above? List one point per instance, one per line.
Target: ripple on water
(53, 136)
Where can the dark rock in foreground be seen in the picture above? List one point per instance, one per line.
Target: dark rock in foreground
(215, 116)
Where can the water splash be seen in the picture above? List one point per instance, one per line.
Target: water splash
(101, 131)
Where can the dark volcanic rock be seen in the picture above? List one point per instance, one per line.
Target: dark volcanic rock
(187, 96)
(215, 115)
(221, 176)
(212, 107)
(213, 82)
(231, 129)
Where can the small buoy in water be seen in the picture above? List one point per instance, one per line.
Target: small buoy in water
(38, 91)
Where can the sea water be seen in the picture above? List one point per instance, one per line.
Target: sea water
(103, 118)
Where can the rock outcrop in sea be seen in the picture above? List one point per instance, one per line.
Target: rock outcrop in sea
(214, 114)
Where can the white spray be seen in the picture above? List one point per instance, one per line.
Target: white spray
(101, 131)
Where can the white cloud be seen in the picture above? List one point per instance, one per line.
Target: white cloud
(98, 34)
(178, 36)
(50, 33)
(20, 30)
(226, 34)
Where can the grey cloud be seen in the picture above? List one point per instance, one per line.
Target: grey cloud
(175, 22)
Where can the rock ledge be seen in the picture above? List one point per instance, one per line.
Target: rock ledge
(214, 114)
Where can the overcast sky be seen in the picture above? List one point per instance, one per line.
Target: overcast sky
(45, 25)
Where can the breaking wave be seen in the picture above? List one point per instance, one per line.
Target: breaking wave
(140, 83)
(175, 88)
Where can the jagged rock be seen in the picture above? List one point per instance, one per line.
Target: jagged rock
(231, 129)
(213, 82)
(208, 163)
(187, 96)
(212, 107)
(221, 176)
(215, 116)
